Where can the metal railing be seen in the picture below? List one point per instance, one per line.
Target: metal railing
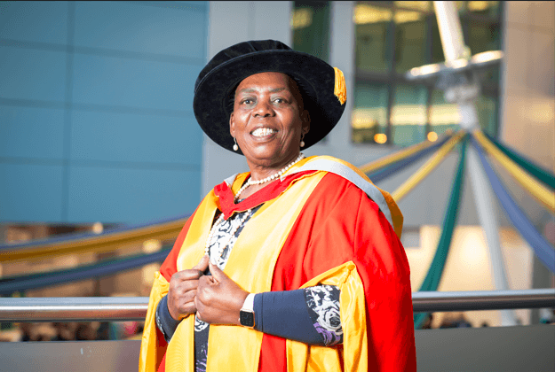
(49, 309)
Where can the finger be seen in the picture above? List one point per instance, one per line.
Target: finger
(203, 283)
(177, 291)
(205, 293)
(202, 264)
(189, 296)
(186, 286)
(198, 307)
(189, 308)
(184, 275)
(216, 272)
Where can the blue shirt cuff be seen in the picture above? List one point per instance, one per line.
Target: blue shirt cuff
(285, 314)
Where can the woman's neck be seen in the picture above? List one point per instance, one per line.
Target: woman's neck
(262, 171)
(263, 176)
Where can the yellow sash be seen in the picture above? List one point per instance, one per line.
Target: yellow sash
(251, 265)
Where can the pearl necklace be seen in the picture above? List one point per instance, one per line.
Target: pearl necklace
(269, 178)
(247, 212)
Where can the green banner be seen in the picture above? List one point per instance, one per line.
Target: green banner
(433, 277)
(541, 174)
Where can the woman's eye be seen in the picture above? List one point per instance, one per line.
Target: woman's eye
(247, 101)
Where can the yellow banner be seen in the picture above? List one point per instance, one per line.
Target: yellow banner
(99, 244)
(536, 189)
(399, 155)
(425, 169)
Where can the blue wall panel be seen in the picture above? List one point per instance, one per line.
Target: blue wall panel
(31, 132)
(149, 139)
(131, 195)
(39, 21)
(30, 193)
(32, 74)
(141, 28)
(96, 120)
(115, 81)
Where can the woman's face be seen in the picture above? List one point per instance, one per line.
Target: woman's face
(268, 119)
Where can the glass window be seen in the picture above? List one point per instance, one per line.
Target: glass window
(409, 115)
(410, 40)
(394, 36)
(419, 5)
(444, 116)
(371, 28)
(482, 37)
(369, 116)
(487, 8)
(310, 24)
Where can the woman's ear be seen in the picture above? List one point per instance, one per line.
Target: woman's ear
(231, 125)
(305, 119)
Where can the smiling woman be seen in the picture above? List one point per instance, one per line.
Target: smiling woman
(269, 122)
(296, 263)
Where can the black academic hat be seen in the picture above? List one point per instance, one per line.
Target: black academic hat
(322, 87)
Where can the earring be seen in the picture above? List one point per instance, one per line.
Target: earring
(302, 141)
(235, 147)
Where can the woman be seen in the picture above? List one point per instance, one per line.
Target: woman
(295, 265)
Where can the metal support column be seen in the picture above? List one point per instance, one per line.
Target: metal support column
(463, 89)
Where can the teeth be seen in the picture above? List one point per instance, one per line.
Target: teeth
(261, 132)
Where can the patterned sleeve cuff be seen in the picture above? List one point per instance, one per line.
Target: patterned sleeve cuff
(324, 310)
(164, 321)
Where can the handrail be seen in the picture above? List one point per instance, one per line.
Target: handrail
(483, 300)
(48, 309)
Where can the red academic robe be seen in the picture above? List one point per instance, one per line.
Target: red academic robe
(338, 223)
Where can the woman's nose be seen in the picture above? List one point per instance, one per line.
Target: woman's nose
(263, 109)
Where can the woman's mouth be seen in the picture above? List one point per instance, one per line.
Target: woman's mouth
(263, 132)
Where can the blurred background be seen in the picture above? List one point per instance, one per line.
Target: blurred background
(97, 129)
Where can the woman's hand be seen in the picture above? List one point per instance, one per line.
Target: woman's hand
(183, 290)
(219, 299)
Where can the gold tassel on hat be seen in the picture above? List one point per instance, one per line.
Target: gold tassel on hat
(340, 89)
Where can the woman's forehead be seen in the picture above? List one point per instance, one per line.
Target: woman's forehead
(270, 80)
(277, 81)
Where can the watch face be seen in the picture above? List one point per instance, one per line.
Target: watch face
(246, 318)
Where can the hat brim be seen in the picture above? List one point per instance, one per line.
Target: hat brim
(213, 101)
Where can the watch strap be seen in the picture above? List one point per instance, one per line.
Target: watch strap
(248, 305)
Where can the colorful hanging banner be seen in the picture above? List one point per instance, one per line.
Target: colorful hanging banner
(25, 282)
(536, 189)
(382, 174)
(397, 156)
(535, 170)
(99, 243)
(425, 169)
(435, 272)
(543, 250)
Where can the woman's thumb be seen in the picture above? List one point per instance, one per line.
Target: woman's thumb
(215, 270)
(202, 264)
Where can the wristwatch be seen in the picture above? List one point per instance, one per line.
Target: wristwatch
(246, 315)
